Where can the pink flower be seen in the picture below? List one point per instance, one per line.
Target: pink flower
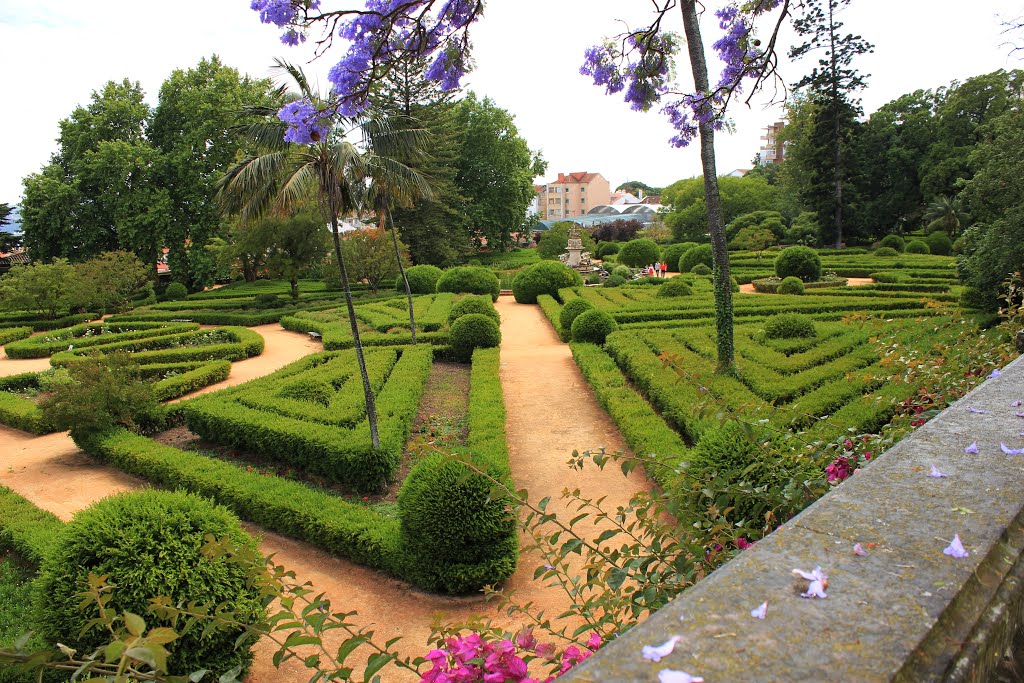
(956, 548)
(594, 641)
(525, 639)
(839, 470)
(743, 543)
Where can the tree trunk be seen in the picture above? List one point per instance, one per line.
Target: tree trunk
(385, 218)
(837, 152)
(719, 249)
(295, 287)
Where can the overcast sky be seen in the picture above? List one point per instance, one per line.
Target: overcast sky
(528, 53)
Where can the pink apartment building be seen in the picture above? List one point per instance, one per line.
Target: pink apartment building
(572, 194)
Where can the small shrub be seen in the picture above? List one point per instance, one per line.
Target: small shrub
(917, 247)
(800, 262)
(972, 297)
(791, 285)
(701, 269)
(674, 287)
(959, 246)
(422, 279)
(571, 311)
(546, 277)
(886, 251)
(593, 326)
(264, 301)
(473, 331)
(940, 244)
(473, 304)
(469, 280)
(175, 291)
(789, 326)
(674, 252)
(695, 255)
(894, 242)
(614, 281)
(623, 271)
(594, 279)
(641, 252)
(608, 248)
(149, 544)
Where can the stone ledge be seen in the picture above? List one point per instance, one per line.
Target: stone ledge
(906, 612)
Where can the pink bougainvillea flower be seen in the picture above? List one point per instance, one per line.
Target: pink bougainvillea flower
(525, 639)
(858, 549)
(978, 411)
(956, 548)
(546, 651)
(761, 611)
(995, 373)
(1010, 451)
(673, 676)
(935, 473)
(819, 582)
(743, 543)
(656, 653)
(594, 641)
(973, 448)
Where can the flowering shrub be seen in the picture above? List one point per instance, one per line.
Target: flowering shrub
(472, 658)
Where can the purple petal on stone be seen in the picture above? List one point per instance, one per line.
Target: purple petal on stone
(1010, 451)
(973, 448)
(673, 676)
(655, 653)
(978, 411)
(936, 473)
(761, 611)
(956, 548)
(995, 373)
(858, 549)
(1015, 404)
(1021, 414)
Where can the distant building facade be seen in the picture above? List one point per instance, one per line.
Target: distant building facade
(772, 150)
(572, 194)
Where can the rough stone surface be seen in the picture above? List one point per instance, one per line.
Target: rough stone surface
(904, 612)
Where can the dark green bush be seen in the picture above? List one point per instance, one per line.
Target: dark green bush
(735, 286)
(959, 245)
(607, 249)
(940, 244)
(175, 291)
(473, 304)
(570, 312)
(789, 326)
(623, 271)
(917, 247)
(673, 252)
(801, 262)
(696, 255)
(593, 326)
(641, 252)
(149, 544)
(614, 281)
(894, 242)
(473, 331)
(972, 297)
(791, 285)
(546, 277)
(701, 269)
(470, 280)
(674, 287)
(422, 279)
(263, 301)
(886, 251)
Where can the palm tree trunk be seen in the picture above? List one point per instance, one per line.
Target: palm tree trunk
(385, 218)
(719, 249)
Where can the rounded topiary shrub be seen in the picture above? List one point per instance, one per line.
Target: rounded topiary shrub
(791, 285)
(959, 246)
(939, 244)
(917, 247)
(799, 262)
(886, 251)
(623, 271)
(148, 544)
(674, 287)
(673, 252)
(422, 279)
(473, 331)
(608, 248)
(614, 281)
(458, 535)
(696, 255)
(701, 269)
(473, 304)
(641, 252)
(593, 326)
(894, 242)
(546, 277)
(570, 312)
(175, 291)
(789, 326)
(469, 280)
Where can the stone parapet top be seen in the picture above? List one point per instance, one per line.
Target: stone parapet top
(906, 611)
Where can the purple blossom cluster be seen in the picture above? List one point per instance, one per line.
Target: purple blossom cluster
(307, 125)
(282, 13)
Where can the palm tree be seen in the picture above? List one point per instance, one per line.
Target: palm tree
(944, 214)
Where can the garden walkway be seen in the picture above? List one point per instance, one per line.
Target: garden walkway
(551, 412)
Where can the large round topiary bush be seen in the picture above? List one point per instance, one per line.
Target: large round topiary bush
(623, 271)
(473, 304)
(570, 312)
(894, 242)
(593, 326)
(460, 537)
(422, 279)
(473, 331)
(673, 252)
(614, 281)
(694, 256)
(546, 277)
(917, 247)
(641, 252)
(701, 269)
(940, 244)
(789, 326)
(608, 248)
(791, 285)
(149, 544)
(799, 262)
(674, 287)
(175, 291)
(470, 280)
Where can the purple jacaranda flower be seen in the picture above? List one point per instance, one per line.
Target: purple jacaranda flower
(995, 373)
(956, 548)
(673, 676)
(306, 124)
(935, 473)
(973, 448)
(858, 549)
(1016, 404)
(761, 611)
(819, 582)
(1020, 414)
(977, 411)
(656, 653)
(1010, 451)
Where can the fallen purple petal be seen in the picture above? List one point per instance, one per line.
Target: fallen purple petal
(973, 448)
(673, 676)
(761, 611)
(1010, 451)
(936, 473)
(1021, 414)
(819, 582)
(995, 373)
(956, 548)
(858, 549)
(978, 411)
(655, 653)
(1016, 404)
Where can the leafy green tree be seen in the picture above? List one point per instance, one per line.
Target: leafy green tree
(635, 187)
(288, 245)
(111, 280)
(688, 218)
(370, 257)
(5, 213)
(45, 288)
(48, 214)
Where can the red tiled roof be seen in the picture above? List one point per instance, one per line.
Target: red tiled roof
(579, 177)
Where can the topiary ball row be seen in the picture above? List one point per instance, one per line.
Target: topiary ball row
(422, 279)
(473, 331)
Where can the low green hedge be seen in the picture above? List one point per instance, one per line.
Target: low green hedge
(771, 285)
(553, 311)
(25, 528)
(179, 348)
(26, 319)
(192, 380)
(10, 334)
(91, 335)
(21, 413)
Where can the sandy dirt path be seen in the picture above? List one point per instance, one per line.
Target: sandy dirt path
(551, 411)
(850, 282)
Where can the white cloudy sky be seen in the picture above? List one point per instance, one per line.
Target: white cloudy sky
(56, 52)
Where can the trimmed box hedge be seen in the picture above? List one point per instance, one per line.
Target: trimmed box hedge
(25, 528)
